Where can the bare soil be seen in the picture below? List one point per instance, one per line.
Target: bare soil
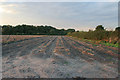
(58, 57)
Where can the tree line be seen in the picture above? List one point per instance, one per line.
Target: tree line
(99, 34)
(33, 30)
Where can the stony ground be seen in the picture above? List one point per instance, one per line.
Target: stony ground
(58, 57)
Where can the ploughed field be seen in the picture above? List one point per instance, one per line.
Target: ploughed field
(56, 57)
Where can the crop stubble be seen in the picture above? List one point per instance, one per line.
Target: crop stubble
(57, 57)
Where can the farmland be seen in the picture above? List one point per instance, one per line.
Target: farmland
(35, 56)
(14, 38)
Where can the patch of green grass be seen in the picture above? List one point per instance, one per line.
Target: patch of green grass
(65, 62)
(111, 44)
(102, 42)
(94, 45)
(68, 74)
(109, 58)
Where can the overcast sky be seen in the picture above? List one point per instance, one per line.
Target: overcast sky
(77, 15)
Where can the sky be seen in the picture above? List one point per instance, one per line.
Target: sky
(59, 0)
(77, 15)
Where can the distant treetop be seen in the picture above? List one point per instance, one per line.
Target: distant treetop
(117, 29)
(99, 27)
(33, 30)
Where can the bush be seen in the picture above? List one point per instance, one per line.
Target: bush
(99, 34)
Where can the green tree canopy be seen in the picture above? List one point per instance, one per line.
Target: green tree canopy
(117, 29)
(31, 30)
(99, 27)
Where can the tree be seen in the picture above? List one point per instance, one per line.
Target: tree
(77, 31)
(30, 30)
(117, 29)
(70, 30)
(7, 29)
(99, 27)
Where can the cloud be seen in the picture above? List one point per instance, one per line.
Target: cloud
(78, 15)
(59, 0)
(7, 8)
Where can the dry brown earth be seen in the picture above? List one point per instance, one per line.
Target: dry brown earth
(58, 57)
